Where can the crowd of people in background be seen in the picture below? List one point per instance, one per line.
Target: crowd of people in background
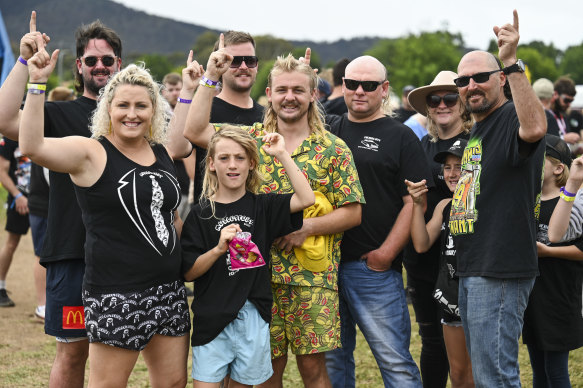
(295, 217)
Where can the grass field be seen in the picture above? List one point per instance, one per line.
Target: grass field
(26, 353)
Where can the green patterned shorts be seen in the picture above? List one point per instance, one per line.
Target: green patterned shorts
(306, 318)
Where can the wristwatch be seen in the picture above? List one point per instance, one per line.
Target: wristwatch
(518, 67)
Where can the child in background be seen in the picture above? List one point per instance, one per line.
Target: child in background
(232, 292)
(446, 288)
(553, 324)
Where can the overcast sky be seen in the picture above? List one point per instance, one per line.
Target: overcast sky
(319, 20)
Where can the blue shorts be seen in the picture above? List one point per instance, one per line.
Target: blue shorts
(38, 228)
(242, 350)
(64, 314)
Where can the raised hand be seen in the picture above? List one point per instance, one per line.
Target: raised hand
(29, 44)
(508, 37)
(192, 73)
(307, 58)
(576, 173)
(219, 61)
(227, 234)
(274, 144)
(417, 191)
(41, 65)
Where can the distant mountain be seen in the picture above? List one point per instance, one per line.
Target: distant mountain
(140, 32)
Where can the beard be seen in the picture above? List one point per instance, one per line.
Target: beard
(231, 82)
(90, 84)
(484, 106)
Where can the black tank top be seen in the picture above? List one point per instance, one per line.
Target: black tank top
(131, 243)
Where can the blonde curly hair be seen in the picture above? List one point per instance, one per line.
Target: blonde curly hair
(134, 74)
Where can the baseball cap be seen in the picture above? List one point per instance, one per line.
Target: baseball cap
(456, 149)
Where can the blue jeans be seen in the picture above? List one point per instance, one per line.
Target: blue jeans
(549, 369)
(375, 301)
(492, 312)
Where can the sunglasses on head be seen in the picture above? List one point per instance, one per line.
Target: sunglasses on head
(250, 61)
(367, 86)
(478, 78)
(433, 101)
(568, 100)
(91, 61)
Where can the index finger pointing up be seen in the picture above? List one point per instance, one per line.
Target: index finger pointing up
(221, 41)
(32, 23)
(515, 20)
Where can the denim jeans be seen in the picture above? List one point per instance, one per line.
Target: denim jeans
(375, 301)
(492, 312)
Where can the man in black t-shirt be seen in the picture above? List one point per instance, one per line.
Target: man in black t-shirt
(370, 282)
(233, 104)
(495, 207)
(98, 56)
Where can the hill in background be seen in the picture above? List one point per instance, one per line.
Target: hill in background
(141, 33)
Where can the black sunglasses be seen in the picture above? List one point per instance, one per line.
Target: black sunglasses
(433, 101)
(568, 100)
(367, 86)
(250, 61)
(91, 61)
(479, 78)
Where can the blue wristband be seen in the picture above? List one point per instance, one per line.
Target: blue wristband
(567, 193)
(14, 200)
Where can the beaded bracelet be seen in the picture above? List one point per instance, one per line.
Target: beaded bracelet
(184, 101)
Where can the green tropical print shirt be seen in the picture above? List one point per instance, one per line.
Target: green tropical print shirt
(328, 164)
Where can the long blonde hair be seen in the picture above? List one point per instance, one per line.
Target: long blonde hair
(132, 75)
(210, 183)
(288, 65)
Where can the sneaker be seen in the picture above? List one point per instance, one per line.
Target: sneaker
(40, 312)
(5, 300)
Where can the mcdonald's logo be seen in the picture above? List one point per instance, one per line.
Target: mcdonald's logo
(73, 317)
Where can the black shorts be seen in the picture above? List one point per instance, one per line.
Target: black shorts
(16, 222)
(64, 308)
(130, 320)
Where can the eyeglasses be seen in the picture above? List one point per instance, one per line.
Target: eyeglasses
(568, 100)
(367, 86)
(91, 61)
(250, 61)
(433, 101)
(479, 78)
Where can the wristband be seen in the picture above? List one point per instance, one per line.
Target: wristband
(14, 200)
(37, 86)
(184, 101)
(567, 194)
(23, 61)
(566, 198)
(208, 83)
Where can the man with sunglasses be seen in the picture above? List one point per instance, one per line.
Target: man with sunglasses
(495, 206)
(233, 104)
(370, 282)
(563, 95)
(98, 57)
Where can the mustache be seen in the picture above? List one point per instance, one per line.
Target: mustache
(474, 93)
(100, 72)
